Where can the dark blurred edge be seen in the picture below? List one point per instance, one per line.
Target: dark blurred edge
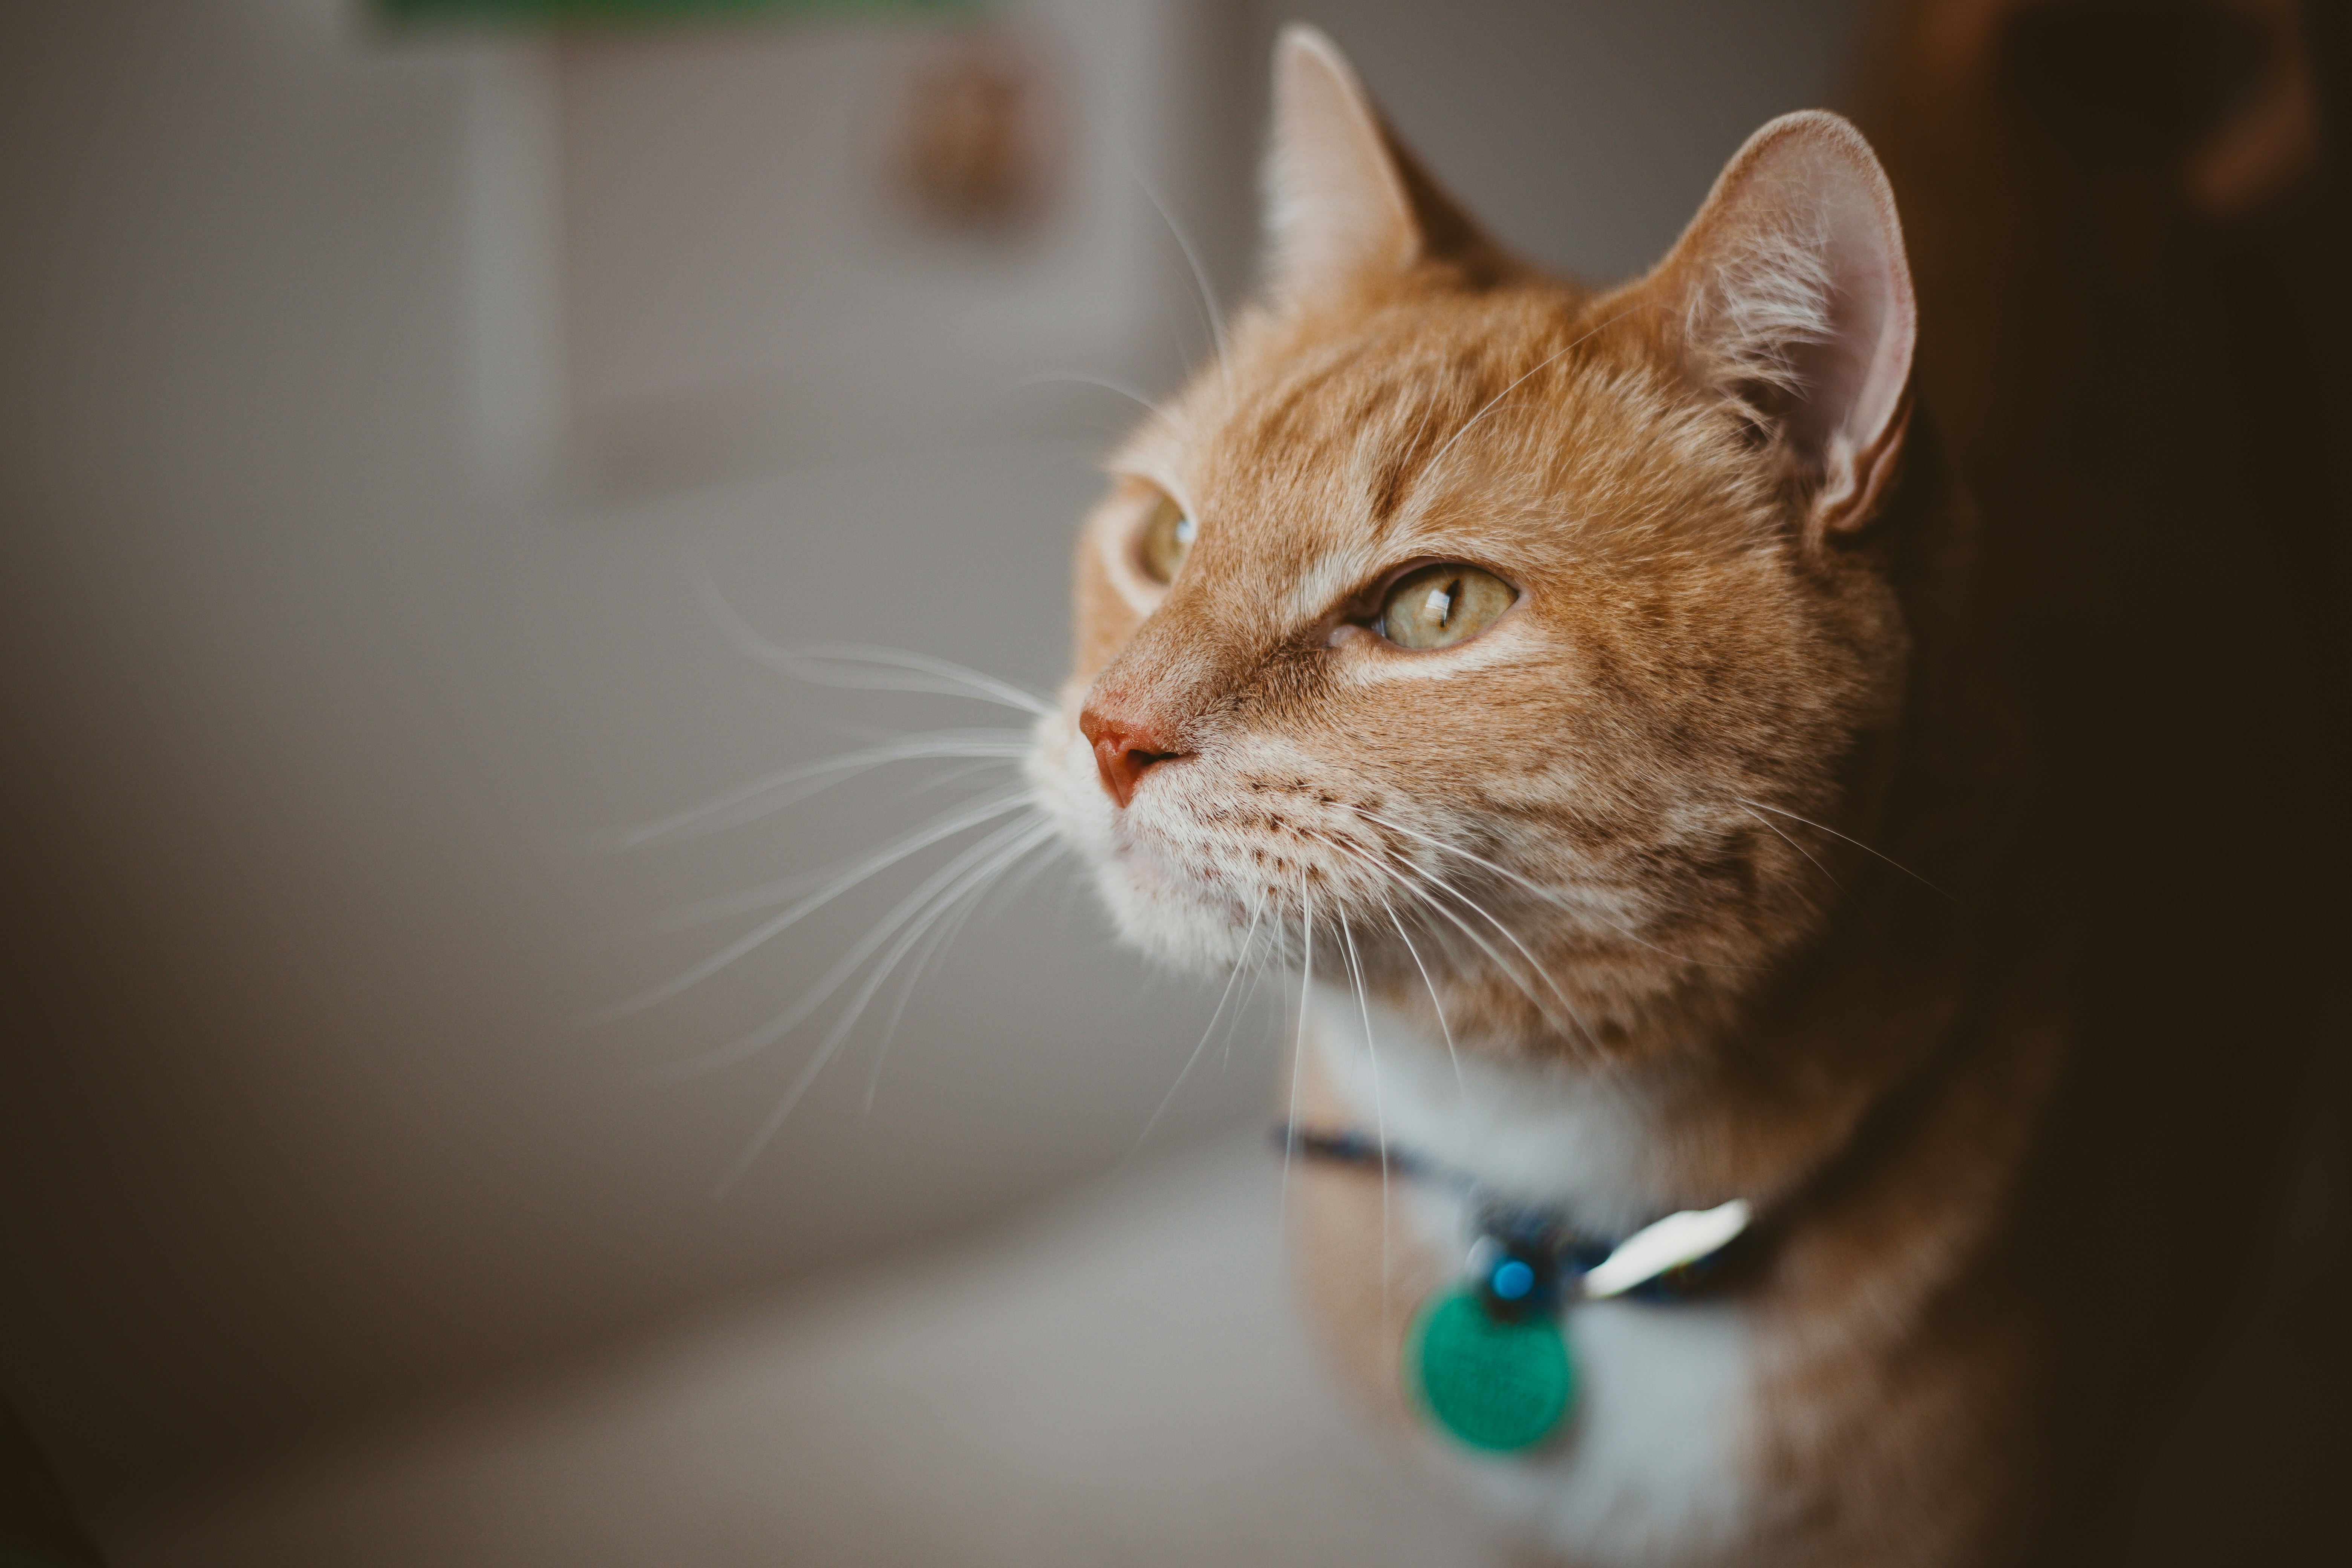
(2268, 1442)
(2145, 385)
(37, 1527)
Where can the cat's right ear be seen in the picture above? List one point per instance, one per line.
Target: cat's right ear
(1791, 292)
(1344, 199)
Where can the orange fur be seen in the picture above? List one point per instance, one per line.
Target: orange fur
(1616, 839)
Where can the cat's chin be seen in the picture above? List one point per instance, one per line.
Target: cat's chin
(1173, 920)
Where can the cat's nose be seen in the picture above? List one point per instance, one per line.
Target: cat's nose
(1124, 749)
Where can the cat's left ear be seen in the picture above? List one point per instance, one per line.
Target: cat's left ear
(1344, 199)
(1791, 293)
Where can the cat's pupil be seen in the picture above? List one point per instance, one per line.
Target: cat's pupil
(1439, 606)
(1185, 529)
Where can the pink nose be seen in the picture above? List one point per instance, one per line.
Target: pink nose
(1124, 749)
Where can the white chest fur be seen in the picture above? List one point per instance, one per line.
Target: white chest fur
(1656, 1467)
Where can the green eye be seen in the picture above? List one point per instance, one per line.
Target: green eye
(1167, 539)
(1438, 606)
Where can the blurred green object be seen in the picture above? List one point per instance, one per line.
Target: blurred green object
(635, 11)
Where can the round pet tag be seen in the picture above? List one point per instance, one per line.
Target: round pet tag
(1496, 1384)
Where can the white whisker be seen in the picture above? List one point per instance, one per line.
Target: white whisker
(833, 1041)
(916, 909)
(1298, 1049)
(769, 931)
(1257, 971)
(1054, 849)
(805, 662)
(1192, 260)
(745, 902)
(752, 899)
(1380, 1113)
(1437, 1006)
(776, 791)
(1799, 848)
(1081, 378)
(1549, 895)
(936, 676)
(1189, 1062)
(1507, 934)
(1833, 833)
(1502, 964)
(935, 946)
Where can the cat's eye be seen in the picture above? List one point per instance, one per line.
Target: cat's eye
(1166, 540)
(1438, 606)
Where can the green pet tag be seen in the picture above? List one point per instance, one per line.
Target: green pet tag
(1496, 1384)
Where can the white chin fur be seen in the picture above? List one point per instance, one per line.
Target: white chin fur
(1155, 909)
(1178, 931)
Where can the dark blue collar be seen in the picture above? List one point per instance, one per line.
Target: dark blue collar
(1526, 1259)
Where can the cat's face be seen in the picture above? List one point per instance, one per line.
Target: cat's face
(1471, 617)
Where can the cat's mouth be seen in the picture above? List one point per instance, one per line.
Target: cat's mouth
(1220, 854)
(1183, 877)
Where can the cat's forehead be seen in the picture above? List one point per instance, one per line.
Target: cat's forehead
(1362, 432)
(1354, 385)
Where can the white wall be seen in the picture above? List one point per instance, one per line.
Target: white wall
(309, 702)
(683, 353)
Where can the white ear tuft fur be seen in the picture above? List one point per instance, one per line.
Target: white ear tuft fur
(1336, 203)
(1765, 305)
(1795, 295)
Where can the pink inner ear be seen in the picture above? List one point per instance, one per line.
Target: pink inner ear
(1855, 376)
(1798, 284)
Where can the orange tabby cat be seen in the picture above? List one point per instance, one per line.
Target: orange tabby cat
(1576, 686)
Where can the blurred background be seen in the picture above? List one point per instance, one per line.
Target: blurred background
(396, 402)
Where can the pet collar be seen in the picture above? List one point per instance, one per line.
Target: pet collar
(1486, 1360)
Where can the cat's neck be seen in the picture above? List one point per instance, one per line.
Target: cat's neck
(1751, 1110)
(1575, 1139)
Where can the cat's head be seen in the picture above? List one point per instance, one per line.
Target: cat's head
(1512, 633)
